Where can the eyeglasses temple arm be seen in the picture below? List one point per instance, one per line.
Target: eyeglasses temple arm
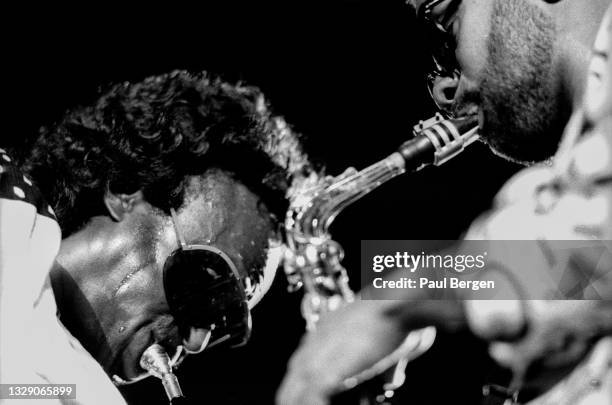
(179, 235)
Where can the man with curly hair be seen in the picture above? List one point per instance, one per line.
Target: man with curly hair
(150, 168)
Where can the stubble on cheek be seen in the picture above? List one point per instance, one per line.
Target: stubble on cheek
(520, 89)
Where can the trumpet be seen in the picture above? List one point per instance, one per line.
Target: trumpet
(156, 362)
(313, 259)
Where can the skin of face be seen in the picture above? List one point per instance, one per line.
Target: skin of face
(108, 276)
(598, 94)
(523, 64)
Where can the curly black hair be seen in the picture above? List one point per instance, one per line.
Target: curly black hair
(151, 135)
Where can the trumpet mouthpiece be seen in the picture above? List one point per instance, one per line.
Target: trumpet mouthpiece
(156, 362)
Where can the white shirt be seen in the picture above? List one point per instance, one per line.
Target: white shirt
(35, 348)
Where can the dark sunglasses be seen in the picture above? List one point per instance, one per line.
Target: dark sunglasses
(204, 290)
(439, 42)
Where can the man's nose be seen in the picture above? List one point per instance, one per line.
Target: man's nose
(443, 91)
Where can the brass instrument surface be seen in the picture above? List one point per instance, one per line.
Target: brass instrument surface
(313, 259)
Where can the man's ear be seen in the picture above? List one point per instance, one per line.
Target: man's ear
(118, 205)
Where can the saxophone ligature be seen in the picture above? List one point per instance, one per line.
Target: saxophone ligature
(313, 259)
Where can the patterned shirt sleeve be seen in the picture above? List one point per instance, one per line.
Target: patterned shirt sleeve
(14, 185)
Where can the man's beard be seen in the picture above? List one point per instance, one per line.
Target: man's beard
(519, 91)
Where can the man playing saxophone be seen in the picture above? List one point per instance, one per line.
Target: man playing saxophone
(522, 66)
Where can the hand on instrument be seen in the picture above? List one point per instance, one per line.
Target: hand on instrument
(345, 342)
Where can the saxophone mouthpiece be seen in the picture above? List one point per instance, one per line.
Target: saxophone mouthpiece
(438, 140)
(156, 361)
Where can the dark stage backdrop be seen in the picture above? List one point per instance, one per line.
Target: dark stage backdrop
(346, 74)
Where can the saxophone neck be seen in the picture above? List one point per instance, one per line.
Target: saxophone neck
(434, 142)
(312, 213)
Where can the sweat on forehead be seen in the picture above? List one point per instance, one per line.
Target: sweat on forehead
(221, 211)
(207, 185)
(219, 198)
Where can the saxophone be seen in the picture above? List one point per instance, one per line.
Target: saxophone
(313, 259)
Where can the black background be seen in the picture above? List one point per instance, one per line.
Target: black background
(346, 74)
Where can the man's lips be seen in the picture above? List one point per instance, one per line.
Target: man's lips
(162, 331)
(127, 361)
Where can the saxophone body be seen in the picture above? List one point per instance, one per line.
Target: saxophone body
(313, 259)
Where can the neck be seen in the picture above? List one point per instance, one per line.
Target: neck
(87, 250)
(81, 276)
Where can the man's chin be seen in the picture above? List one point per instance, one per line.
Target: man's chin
(130, 365)
(512, 156)
(524, 149)
(127, 361)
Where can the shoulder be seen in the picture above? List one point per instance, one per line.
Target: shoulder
(29, 236)
(17, 187)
